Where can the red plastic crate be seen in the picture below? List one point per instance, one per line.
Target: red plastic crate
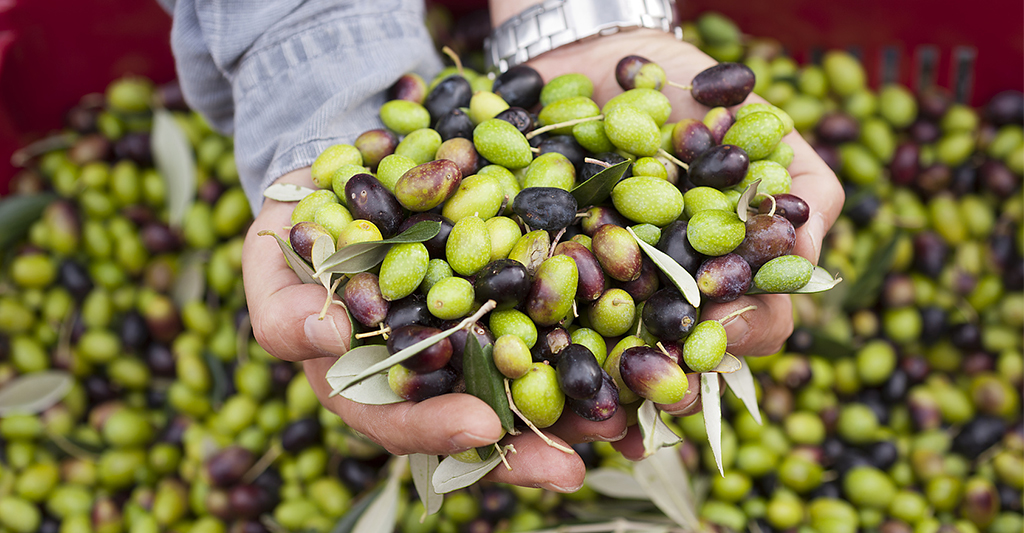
(52, 52)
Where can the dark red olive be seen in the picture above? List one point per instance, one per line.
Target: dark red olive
(505, 281)
(300, 434)
(546, 208)
(518, 117)
(668, 316)
(789, 206)
(723, 85)
(720, 167)
(519, 86)
(226, 467)
(602, 405)
(432, 358)
(591, 277)
(578, 374)
(368, 199)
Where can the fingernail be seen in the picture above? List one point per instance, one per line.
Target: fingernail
(466, 440)
(690, 398)
(816, 231)
(556, 488)
(736, 330)
(324, 335)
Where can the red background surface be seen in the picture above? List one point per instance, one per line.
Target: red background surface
(52, 52)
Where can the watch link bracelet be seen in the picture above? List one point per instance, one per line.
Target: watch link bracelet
(556, 23)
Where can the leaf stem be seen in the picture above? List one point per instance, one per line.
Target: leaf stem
(679, 85)
(330, 298)
(549, 127)
(455, 58)
(501, 453)
(597, 162)
(775, 204)
(71, 448)
(545, 438)
(384, 330)
(263, 463)
(672, 158)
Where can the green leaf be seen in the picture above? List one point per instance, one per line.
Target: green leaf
(742, 384)
(729, 364)
(820, 281)
(287, 192)
(453, 474)
(173, 157)
(615, 483)
(599, 187)
(34, 392)
(711, 402)
(485, 381)
(675, 272)
(423, 467)
(323, 247)
(666, 482)
(190, 284)
(382, 514)
(218, 379)
(371, 391)
(362, 256)
(743, 204)
(865, 290)
(17, 213)
(348, 520)
(656, 434)
(822, 344)
(297, 263)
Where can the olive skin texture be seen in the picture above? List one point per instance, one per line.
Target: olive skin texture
(364, 300)
(602, 405)
(505, 281)
(652, 375)
(723, 85)
(553, 290)
(720, 167)
(432, 358)
(668, 316)
(369, 200)
(546, 208)
(426, 186)
(579, 375)
(520, 86)
(591, 277)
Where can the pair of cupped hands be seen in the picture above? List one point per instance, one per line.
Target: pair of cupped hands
(285, 312)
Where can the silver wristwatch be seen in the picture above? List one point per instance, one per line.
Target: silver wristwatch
(555, 23)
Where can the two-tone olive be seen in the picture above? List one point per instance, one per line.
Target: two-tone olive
(505, 281)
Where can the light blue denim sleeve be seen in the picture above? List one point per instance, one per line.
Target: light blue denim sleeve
(289, 78)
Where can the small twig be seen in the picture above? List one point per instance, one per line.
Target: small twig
(21, 157)
(554, 242)
(264, 462)
(575, 311)
(597, 162)
(549, 127)
(455, 58)
(330, 298)
(775, 204)
(662, 348)
(501, 453)
(535, 150)
(383, 331)
(71, 448)
(679, 85)
(672, 158)
(545, 438)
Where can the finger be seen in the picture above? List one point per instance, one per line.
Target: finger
(574, 429)
(284, 311)
(816, 184)
(441, 425)
(690, 403)
(535, 464)
(761, 331)
(632, 445)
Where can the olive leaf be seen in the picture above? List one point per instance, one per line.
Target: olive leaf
(865, 290)
(34, 392)
(323, 247)
(362, 256)
(294, 260)
(666, 482)
(354, 513)
(371, 391)
(484, 381)
(17, 213)
(62, 141)
(729, 364)
(599, 187)
(287, 192)
(453, 474)
(675, 272)
(615, 483)
(382, 513)
(190, 284)
(820, 281)
(402, 355)
(423, 467)
(656, 434)
(743, 204)
(742, 384)
(218, 379)
(173, 157)
(711, 402)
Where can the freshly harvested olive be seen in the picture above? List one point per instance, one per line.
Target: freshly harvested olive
(226, 467)
(520, 86)
(704, 348)
(454, 124)
(767, 237)
(538, 396)
(612, 158)
(598, 216)
(550, 345)
(512, 356)
(502, 144)
(364, 300)
(531, 249)
(546, 208)
(550, 170)
(648, 200)
(579, 375)
(791, 207)
(618, 252)
(723, 85)
(632, 130)
(565, 145)
(715, 232)
(461, 152)
(409, 87)
(634, 71)
(469, 246)
(505, 281)
(435, 245)
(404, 117)
(432, 358)
(652, 375)
(369, 200)
(451, 93)
(757, 134)
(675, 243)
(303, 235)
(784, 274)
(426, 186)
(485, 105)
(591, 277)
(649, 101)
(416, 387)
(518, 117)
(613, 313)
(419, 145)
(668, 316)
(566, 86)
(300, 434)
(375, 145)
(554, 287)
(644, 286)
(718, 120)
(690, 139)
(724, 278)
(720, 167)
(402, 270)
(450, 298)
(602, 405)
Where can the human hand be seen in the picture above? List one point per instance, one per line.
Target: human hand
(285, 319)
(759, 332)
